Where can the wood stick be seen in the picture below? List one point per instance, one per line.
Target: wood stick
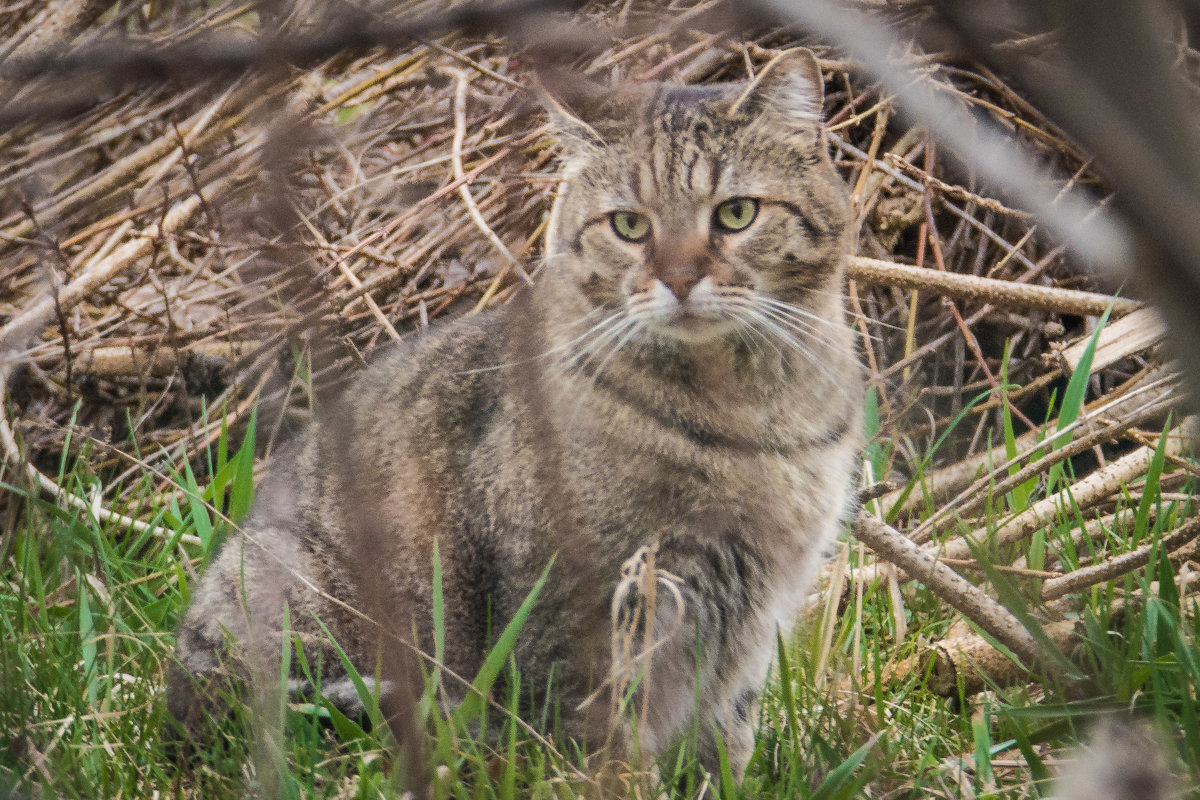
(1154, 388)
(11, 453)
(972, 662)
(970, 600)
(29, 323)
(32, 319)
(1131, 334)
(464, 189)
(975, 496)
(1118, 565)
(55, 24)
(118, 361)
(1095, 487)
(1004, 294)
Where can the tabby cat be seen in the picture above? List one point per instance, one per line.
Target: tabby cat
(681, 377)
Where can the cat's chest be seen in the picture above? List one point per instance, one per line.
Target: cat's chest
(734, 450)
(666, 480)
(651, 453)
(628, 427)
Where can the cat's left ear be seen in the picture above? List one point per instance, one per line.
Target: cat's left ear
(569, 99)
(790, 85)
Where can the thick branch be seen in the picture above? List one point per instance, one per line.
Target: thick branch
(1118, 565)
(944, 582)
(1003, 294)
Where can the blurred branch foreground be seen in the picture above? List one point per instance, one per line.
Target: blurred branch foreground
(209, 209)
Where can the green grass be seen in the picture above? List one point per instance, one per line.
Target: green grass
(87, 612)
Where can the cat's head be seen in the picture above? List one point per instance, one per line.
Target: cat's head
(695, 210)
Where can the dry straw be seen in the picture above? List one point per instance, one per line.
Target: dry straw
(142, 297)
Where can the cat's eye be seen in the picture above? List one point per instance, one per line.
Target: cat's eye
(630, 226)
(735, 214)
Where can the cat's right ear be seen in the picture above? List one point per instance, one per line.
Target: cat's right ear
(569, 98)
(790, 85)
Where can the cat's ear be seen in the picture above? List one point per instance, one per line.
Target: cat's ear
(570, 99)
(790, 85)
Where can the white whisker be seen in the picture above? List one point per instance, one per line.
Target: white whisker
(616, 325)
(634, 328)
(799, 312)
(744, 327)
(757, 318)
(799, 325)
(841, 297)
(632, 325)
(553, 350)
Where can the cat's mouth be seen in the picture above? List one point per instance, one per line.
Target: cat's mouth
(695, 318)
(691, 323)
(692, 318)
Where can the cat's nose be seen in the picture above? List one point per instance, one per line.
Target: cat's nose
(680, 284)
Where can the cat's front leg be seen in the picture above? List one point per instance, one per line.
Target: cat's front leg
(734, 720)
(682, 693)
(666, 702)
(708, 662)
(678, 677)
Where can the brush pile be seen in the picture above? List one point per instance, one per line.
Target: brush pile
(183, 241)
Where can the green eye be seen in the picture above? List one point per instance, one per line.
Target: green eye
(736, 214)
(630, 226)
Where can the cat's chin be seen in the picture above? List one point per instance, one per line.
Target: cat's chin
(694, 321)
(691, 328)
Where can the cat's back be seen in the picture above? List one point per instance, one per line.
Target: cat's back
(417, 397)
(351, 508)
(434, 372)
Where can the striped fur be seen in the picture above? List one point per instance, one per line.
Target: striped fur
(698, 389)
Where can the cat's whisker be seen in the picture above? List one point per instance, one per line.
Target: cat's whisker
(554, 350)
(800, 315)
(768, 326)
(590, 332)
(794, 343)
(577, 359)
(838, 295)
(743, 329)
(746, 309)
(617, 324)
(600, 337)
(790, 309)
(880, 323)
(633, 327)
(835, 293)
(841, 297)
(771, 341)
(802, 327)
(817, 326)
(800, 312)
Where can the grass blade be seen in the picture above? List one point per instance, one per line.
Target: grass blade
(1150, 493)
(472, 705)
(841, 783)
(1072, 401)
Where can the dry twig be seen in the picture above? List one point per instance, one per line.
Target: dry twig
(965, 597)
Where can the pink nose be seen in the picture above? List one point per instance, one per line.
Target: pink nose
(680, 284)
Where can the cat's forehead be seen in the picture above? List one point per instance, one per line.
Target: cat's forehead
(673, 110)
(679, 142)
(675, 148)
